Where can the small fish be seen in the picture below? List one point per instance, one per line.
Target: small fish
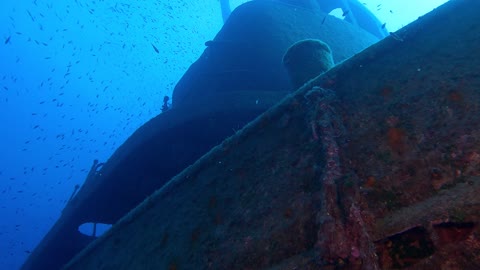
(8, 39)
(345, 13)
(31, 16)
(396, 37)
(383, 25)
(155, 48)
(323, 21)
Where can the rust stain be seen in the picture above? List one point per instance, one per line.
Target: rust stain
(396, 139)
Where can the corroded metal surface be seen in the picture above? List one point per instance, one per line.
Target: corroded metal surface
(373, 165)
(238, 77)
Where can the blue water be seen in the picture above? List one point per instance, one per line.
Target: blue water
(77, 78)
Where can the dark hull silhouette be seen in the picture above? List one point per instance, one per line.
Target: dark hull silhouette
(372, 165)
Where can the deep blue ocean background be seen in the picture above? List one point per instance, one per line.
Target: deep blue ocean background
(78, 77)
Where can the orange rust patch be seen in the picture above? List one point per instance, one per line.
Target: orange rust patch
(386, 92)
(288, 213)
(451, 232)
(172, 266)
(370, 181)
(396, 139)
(455, 96)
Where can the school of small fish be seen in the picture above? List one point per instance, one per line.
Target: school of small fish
(76, 79)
